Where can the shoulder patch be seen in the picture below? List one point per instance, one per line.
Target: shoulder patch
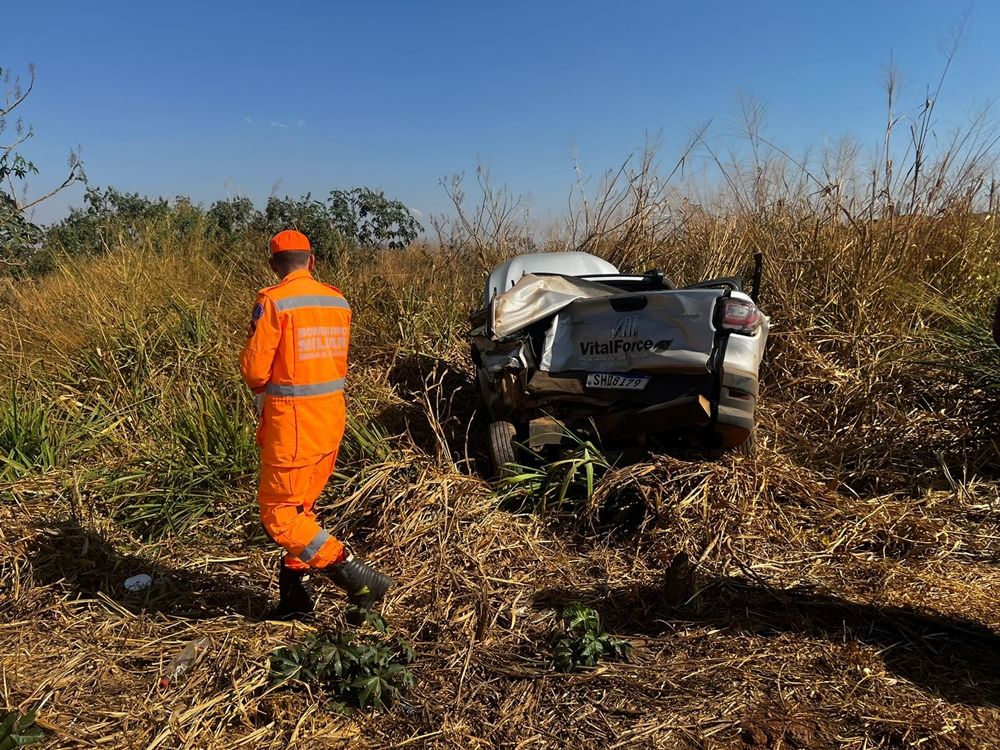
(256, 315)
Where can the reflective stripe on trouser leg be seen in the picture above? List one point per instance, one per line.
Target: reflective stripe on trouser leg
(312, 549)
(316, 483)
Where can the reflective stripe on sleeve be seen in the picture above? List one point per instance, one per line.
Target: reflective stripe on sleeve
(310, 300)
(313, 389)
(312, 549)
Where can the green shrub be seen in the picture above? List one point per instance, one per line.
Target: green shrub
(357, 670)
(230, 220)
(204, 451)
(29, 441)
(18, 730)
(367, 218)
(573, 477)
(111, 219)
(962, 344)
(214, 437)
(584, 642)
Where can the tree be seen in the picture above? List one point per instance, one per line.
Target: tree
(234, 216)
(19, 237)
(108, 212)
(370, 219)
(360, 217)
(309, 216)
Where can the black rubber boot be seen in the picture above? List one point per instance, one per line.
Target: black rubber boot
(364, 585)
(296, 602)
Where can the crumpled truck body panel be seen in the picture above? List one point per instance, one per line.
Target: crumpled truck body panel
(672, 331)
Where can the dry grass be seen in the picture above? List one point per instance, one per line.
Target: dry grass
(812, 618)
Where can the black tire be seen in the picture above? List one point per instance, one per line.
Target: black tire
(748, 447)
(503, 452)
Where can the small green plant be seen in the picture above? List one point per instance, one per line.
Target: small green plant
(216, 441)
(28, 441)
(194, 333)
(18, 730)
(572, 477)
(364, 441)
(154, 512)
(584, 642)
(962, 343)
(204, 450)
(357, 669)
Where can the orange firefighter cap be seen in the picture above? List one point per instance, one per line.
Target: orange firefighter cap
(288, 240)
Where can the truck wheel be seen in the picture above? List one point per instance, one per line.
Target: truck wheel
(502, 450)
(748, 447)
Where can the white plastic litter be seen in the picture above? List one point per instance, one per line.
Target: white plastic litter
(138, 583)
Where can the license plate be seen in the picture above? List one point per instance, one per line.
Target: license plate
(617, 381)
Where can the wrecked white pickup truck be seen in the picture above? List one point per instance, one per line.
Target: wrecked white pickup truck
(565, 344)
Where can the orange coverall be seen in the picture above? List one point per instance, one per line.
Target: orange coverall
(296, 358)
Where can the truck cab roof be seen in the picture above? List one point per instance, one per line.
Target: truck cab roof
(507, 274)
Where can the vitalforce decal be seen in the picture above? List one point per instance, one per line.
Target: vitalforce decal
(619, 346)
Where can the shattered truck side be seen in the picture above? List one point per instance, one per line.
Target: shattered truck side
(566, 342)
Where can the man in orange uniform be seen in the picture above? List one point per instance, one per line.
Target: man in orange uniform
(295, 362)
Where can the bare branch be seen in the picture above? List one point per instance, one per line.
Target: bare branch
(14, 98)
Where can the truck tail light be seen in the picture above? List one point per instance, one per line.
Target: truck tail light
(740, 316)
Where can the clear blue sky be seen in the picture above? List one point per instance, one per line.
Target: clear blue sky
(214, 98)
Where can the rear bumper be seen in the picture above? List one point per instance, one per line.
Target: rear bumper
(680, 413)
(737, 404)
(670, 403)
